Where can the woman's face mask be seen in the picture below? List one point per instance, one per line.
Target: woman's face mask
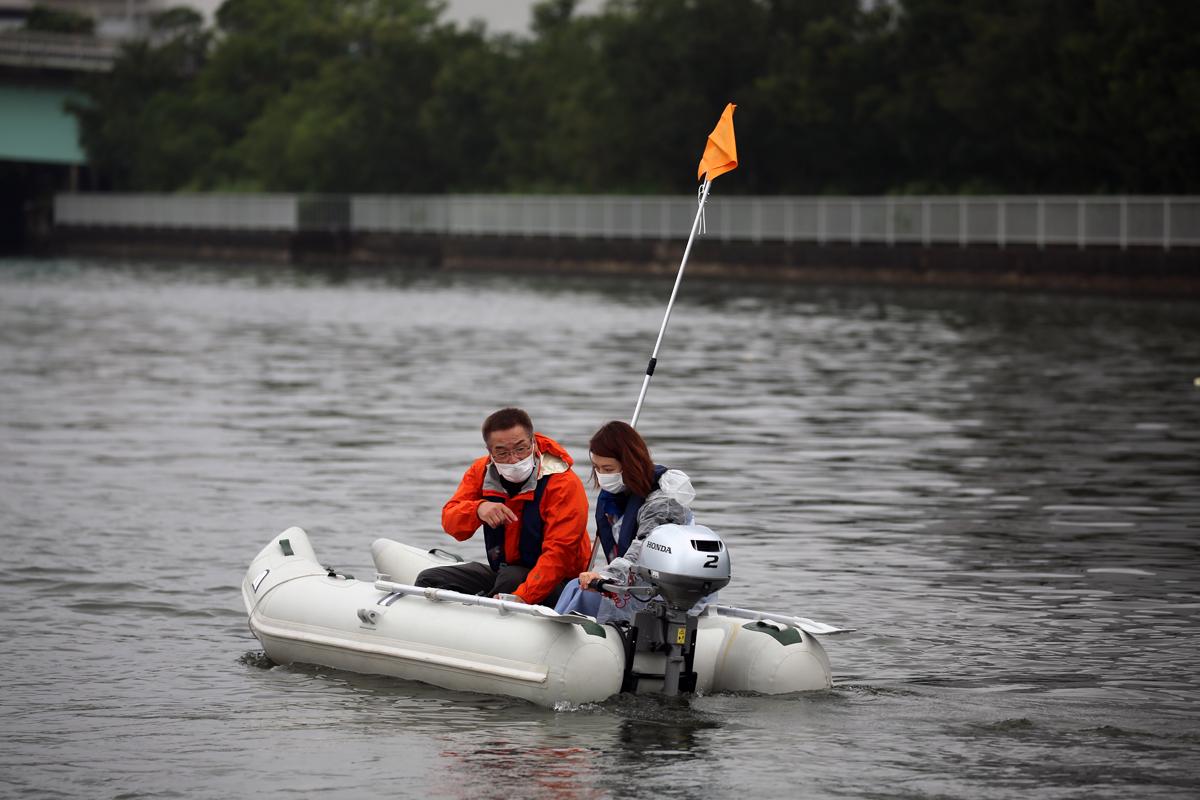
(608, 473)
(610, 482)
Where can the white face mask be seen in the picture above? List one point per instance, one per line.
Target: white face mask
(518, 472)
(610, 482)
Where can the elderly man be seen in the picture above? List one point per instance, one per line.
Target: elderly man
(533, 510)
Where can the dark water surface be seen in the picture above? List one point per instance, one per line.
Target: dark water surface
(1001, 492)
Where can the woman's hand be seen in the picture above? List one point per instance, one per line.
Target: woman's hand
(587, 578)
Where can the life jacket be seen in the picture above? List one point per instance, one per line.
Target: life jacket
(626, 506)
(532, 529)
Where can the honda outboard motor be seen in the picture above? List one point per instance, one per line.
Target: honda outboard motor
(684, 563)
(681, 565)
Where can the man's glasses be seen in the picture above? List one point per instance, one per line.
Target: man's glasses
(518, 452)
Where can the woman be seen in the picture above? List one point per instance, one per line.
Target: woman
(636, 496)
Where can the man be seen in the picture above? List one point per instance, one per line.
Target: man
(533, 510)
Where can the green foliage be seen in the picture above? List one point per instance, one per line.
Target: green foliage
(52, 20)
(834, 96)
(140, 127)
(177, 20)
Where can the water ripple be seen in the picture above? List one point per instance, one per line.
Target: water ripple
(998, 491)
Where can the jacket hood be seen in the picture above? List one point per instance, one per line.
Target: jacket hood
(549, 447)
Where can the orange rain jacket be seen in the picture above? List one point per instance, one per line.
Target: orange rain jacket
(566, 547)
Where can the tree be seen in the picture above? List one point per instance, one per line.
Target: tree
(49, 20)
(834, 96)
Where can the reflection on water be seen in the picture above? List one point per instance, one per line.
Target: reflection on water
(997, 491)
(505, 765)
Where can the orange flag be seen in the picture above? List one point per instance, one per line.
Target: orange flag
(720, 154)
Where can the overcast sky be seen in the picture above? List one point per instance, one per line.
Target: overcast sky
(500, 16)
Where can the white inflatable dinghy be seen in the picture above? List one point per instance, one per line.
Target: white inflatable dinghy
(302, 612)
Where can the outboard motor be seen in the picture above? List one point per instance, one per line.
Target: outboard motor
(681, 564)
(684, 563)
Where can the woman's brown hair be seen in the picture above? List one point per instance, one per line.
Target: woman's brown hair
(619, 440)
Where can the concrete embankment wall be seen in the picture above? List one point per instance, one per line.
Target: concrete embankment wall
(1131, 257)
(1108, 270)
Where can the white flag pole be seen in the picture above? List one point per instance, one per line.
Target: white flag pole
(667, 317)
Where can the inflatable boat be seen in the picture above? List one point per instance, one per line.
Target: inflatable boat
(302, 612)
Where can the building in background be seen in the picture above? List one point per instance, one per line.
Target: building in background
(46, 48)
(112, 19)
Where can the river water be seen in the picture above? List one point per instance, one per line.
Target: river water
(1000, 492)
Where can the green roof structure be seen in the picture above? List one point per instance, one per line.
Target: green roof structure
(35, 126)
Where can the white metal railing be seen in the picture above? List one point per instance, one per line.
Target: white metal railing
(1083, 221)
(253, 212)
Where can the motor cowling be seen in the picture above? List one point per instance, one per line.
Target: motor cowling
(684, 563)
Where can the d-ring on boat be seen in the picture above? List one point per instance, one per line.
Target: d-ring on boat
(302, 612)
